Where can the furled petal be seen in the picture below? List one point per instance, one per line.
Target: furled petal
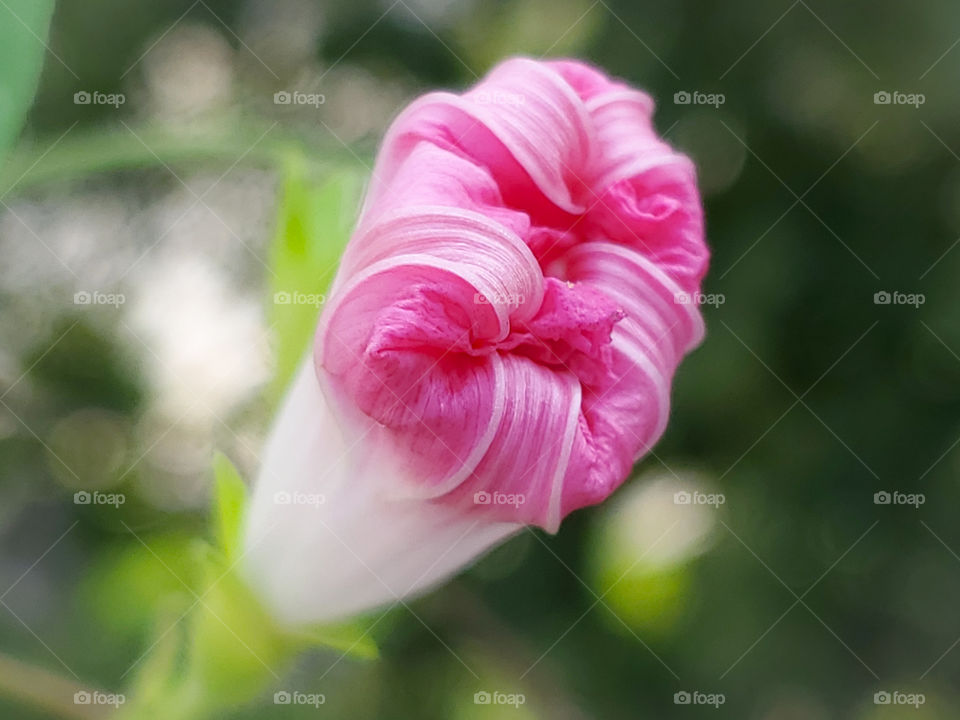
(645, 193)
(522, 122)
(433, 178)
(521, 475)
(626, 412)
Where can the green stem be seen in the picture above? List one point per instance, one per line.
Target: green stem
(47, 691)
(81, 153)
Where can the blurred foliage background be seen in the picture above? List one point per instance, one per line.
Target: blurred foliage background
(798, 597)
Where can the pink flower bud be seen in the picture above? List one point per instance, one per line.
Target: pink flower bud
(498, 346)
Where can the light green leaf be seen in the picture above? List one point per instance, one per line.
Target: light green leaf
(229, 505)
(24, 25)
(126, 587)
(313, 226)
(237, 648)
(351, 638)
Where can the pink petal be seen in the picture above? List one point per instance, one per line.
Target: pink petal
(505, 318)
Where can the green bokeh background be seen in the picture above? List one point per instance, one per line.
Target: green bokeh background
(798, 597)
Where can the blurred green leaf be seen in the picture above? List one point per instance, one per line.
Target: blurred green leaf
(645, 599)
(161, 671)
(313, 226)
(23, 35)
(229, 505)
(349, 638)
(129, 586)
(237, 648)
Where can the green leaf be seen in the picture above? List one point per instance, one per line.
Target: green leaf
(351, 638)
(24, 25)
(229, 505)
(237, 647)
(313, 226)
(126, 587)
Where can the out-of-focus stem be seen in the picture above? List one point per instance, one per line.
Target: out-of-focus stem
(82, 153)
(39, 688)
